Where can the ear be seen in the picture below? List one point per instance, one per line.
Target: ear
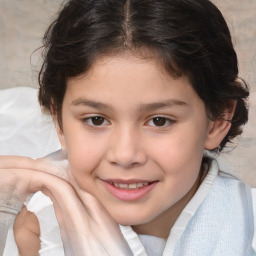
(59, 129)
(219, 128)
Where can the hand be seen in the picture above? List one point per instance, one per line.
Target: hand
(86, 227)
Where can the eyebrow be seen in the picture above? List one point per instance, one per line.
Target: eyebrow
(143, 107)
(163, 104)
(90, 103)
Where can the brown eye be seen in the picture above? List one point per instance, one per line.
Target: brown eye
(97, 120)
(159, 121)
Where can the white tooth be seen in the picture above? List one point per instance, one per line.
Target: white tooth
(123, 185)
(139, 185)
(132, 186)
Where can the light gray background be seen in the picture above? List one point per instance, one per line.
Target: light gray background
(23, 22)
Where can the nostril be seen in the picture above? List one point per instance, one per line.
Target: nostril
(127, 165)
(135, 164)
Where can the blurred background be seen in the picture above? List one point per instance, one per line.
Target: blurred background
(22, 25)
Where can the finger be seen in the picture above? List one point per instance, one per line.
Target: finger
(85, 234)
(52, 165)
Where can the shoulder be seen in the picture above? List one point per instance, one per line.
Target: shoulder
(26, 232)
(225, 218)
(233, 198)
(244, 200)
(236, 204)
(229, 190)
(234, 191)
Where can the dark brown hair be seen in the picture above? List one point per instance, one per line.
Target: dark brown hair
(189, 37)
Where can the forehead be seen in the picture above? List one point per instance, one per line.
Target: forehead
(141, 80)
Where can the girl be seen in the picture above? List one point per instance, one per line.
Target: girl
(139, 90)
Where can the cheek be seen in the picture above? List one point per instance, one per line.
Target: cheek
(84, 156)
(178, 149)
(180, 162)
(179, 157)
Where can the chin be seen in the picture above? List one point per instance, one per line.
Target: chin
(130, 220)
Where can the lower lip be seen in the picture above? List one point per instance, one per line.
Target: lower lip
(129, 194)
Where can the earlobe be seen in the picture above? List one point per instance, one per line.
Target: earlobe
(219, 128)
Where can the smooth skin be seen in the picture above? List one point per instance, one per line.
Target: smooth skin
(127, 119)
(27, 232)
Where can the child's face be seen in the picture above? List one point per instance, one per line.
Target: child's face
(129, 123)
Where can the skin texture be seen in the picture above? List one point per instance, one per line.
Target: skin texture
(110, 132)
(127, 145)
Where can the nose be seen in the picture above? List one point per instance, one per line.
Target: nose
(126, 149)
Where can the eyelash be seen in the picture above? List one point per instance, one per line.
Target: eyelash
(164, 121)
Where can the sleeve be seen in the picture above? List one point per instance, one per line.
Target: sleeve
(10, 245)
(10, 206)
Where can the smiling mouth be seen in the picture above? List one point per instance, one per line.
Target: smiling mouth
(130, 186)
(129, 190)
